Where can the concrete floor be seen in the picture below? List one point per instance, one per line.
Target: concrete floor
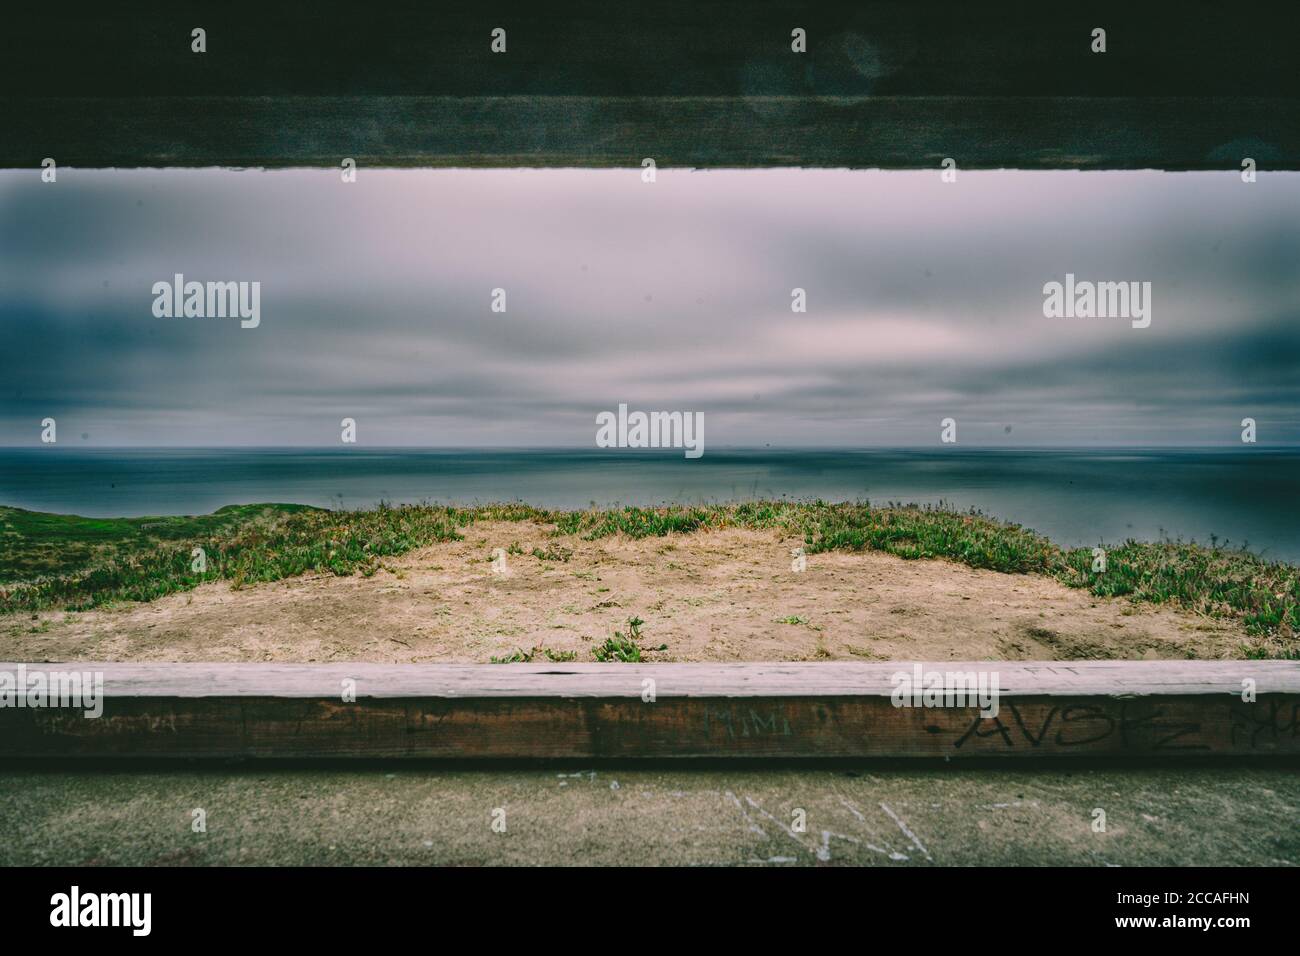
(1224, 814)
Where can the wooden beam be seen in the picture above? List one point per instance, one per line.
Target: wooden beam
(1108, 708)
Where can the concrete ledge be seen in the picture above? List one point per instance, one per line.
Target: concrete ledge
(1110, 708)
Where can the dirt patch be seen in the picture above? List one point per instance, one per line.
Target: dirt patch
(710, 596)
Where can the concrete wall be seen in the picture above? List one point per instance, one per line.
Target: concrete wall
(884, 83)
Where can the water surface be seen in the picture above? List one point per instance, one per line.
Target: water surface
(1074, 496)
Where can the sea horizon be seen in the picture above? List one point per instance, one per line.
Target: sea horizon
(967, 446)
(1075, 495)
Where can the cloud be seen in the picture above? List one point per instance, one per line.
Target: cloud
(924, 300)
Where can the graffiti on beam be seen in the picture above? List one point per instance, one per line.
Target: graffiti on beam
(737, 722)
(1083, 725)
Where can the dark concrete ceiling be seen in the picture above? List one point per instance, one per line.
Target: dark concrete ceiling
(1184, 85)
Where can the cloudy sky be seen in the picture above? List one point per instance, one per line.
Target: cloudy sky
(925, 300)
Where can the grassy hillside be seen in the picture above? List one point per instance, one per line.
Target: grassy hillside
(35, 544)
(63, 561)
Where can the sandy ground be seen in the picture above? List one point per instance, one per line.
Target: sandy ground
(911, 816)
(714, 596)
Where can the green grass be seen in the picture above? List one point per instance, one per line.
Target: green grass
(63, 561)
(797, 620)
(521, 656)
(35, 543)
(553, 553)
(80, 563)
(624, 648)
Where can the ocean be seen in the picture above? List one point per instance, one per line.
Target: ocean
(1076, 497)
